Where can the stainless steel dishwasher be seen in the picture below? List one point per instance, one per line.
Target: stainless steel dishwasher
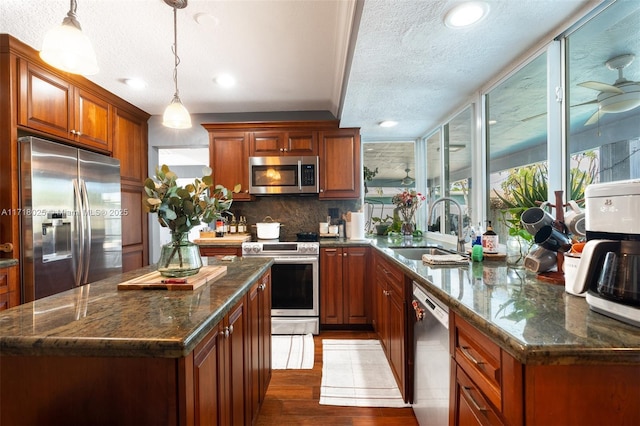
(432, 360)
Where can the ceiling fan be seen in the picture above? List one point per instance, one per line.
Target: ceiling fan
(407, 180)
(623, 95)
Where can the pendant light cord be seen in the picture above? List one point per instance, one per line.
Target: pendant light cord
(175, 50)
(72, 18)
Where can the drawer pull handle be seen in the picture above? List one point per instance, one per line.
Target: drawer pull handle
(465, 351)
(467, 392)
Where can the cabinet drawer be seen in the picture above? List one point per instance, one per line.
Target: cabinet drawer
(472, 407)
(4, 280)
(480, 359)
(393, 275)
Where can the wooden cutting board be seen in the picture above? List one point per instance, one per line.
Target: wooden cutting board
(227, 239)
(154, 281)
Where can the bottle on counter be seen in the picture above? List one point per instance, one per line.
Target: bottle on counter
(219, 227)
(242, 225)
(233, 226)
(490, 240)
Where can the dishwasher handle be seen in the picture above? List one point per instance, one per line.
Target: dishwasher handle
(430, 304)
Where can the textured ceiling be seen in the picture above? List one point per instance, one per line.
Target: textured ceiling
(364, 61)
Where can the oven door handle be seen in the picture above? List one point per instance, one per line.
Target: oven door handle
(296, 260)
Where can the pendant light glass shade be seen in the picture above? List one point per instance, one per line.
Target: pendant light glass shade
(176, 115)
(68, 49)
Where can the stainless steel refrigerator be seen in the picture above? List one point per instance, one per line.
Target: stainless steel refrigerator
(70, 216)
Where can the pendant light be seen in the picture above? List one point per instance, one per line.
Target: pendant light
(67, 48)
(176, 115)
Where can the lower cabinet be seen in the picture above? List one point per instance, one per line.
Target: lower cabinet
(259, 309)
(491, 387)
(345, 298)
(391, 319)
(220, 371)
(232, 365)
(9, 293)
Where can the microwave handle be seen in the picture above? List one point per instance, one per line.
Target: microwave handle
(300, 175)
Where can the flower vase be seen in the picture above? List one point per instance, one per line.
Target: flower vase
(407, 228)
(180, 257)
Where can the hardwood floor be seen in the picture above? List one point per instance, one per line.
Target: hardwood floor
(293, 395)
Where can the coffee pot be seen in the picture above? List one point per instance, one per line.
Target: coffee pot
(609, 270)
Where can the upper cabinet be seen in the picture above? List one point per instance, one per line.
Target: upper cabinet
(229, 159)
(340, 164)
(52, 105)
(231, 145)
(276, 143)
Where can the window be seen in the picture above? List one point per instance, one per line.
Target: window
(603, 87)
(517, 140)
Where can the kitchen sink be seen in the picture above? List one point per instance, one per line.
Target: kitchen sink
(415, 253)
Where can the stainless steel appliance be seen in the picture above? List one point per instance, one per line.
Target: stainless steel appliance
(70, 217)
(283, 175)
(609, 269)
(294, 284)
(432, 360)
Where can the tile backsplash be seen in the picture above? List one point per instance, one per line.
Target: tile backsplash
(295, 213)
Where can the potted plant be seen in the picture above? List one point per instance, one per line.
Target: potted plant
(368, 175)
(181, 208)
(382, 225)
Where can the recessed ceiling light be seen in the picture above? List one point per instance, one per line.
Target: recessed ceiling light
(466, 14)
(135, 83)
(206, 19)
(388, 123)
(225, 80)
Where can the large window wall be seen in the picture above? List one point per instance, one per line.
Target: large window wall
(565, 117)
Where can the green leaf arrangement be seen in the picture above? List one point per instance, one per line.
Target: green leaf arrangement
(180, 208)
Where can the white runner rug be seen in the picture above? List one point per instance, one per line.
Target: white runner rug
(356, 373)
(292, 351)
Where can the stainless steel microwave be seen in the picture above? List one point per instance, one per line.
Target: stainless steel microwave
(283, 175)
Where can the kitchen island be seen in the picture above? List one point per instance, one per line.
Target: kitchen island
(96, 355)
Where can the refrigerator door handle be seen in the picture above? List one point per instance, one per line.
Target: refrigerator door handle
(80, 227)
(86, 212)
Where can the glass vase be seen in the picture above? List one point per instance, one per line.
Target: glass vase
(180, 257)
(517, 250)
(407, 228)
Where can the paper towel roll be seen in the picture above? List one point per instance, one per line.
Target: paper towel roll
(357, 226)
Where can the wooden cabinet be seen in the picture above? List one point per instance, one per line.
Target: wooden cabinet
(486, 381)
(340, 164)
(391, 319)
(50, 104)
(259, 323)
(229, 159)
(220, 251)
(130, 147)
(345, 297)
(220, 368)
(9, 293)
(277, 143)
(489, 386)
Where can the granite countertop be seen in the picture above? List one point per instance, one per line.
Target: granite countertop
(98, 320)
(536, 322)
(5, 263)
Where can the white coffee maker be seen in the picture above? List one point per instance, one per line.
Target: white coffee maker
(609, 269)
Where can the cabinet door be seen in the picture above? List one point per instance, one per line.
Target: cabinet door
(340, 164)
(357, 297)
(265, 334)
(396, 339)
(267, 143)
(470, 406)
(331, 287)
(130, 147)
(207, 364)
(237, 362)
(92, 121)
(45, 101)
(301, 143)
(382, 311)
(9, 292)
(230, 161)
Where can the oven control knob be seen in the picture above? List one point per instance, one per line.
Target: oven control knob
(256, 248)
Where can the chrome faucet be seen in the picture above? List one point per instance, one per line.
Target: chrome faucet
(461, 248)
